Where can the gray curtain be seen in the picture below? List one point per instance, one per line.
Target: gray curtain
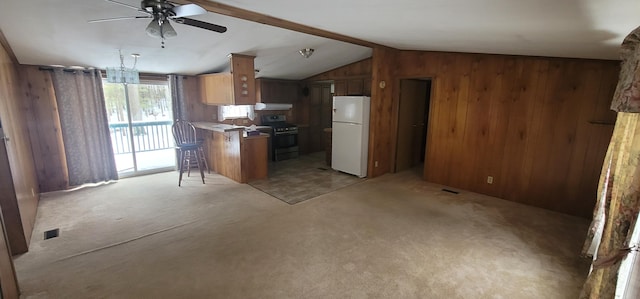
(177, 95)
(84, 125)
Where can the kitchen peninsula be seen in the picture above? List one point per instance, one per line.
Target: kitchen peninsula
(230, 152)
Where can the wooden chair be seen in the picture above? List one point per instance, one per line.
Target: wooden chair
(190, 148)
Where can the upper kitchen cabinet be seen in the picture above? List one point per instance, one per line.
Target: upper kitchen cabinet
(352, 87)
(234, 88)
(277, 91)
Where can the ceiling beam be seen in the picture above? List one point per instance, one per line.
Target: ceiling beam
(248, 15)
(5, 44)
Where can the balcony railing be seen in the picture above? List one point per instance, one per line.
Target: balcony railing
(147, 136)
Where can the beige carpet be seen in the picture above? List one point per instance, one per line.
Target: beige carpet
(394, 236)
(306, 177)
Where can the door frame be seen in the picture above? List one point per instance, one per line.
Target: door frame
(396, 117)
(130, 133)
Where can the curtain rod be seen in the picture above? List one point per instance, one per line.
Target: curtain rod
(68, 70)
(147, 76)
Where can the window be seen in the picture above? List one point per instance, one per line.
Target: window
(140, 119)
(628, 286)
(235, 111)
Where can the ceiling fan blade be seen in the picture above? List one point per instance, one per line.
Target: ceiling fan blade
(188, 10)
(200, 24)
(124, 4)
(120, 18)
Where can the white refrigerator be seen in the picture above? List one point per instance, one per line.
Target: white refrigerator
(350, 134)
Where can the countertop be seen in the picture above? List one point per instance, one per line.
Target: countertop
(261, 135)
(218, 127)
(222, 128)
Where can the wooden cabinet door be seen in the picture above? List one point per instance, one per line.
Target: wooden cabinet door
(202, 85)
(235, 88)
(215, 89)
(355, 87)
(244, 79)
(277, 91)
(340, 87)
(352, 87)
(289, 91)
(254, 158)
(262, 90)
(366, 87)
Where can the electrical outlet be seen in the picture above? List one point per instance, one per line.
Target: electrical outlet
(489, 180)
(376, 164)
(214, 116)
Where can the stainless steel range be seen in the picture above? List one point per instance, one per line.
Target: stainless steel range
(284, 137)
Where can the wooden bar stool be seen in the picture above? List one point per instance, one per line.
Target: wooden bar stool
(189, 147)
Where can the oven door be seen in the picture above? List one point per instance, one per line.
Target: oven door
(285, 146)
(285, 140)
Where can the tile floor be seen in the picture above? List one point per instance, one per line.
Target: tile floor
(306, 177)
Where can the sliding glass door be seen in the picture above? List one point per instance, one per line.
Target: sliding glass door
(140, 119)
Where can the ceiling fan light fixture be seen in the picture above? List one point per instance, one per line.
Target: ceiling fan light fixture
(161, 29)
(154, 29)
(306, 52)
(164, 11)
(167, 30)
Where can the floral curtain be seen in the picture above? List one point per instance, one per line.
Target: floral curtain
(85, 130)
(618, 203)
(627, 95)
(617, 209)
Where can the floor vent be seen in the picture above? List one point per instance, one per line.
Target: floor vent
(450, 191)
(322, 168)
(51, 233)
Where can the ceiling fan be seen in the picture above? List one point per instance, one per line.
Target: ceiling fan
(161, 11)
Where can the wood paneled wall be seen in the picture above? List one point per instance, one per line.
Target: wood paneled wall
(44, 129)
(357, 69)
(19, 205)
(195, 109)
(314, 108)
(539, 126)
(383, 112)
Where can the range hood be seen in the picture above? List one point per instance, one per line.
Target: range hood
(271, 106)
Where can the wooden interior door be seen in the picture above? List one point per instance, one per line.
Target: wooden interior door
(327, 105)
(9, 201)
(315, 118)
(320, 105)
(8, 281)
(411, 123)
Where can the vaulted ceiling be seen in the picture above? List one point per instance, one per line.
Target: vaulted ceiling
(57, 32)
